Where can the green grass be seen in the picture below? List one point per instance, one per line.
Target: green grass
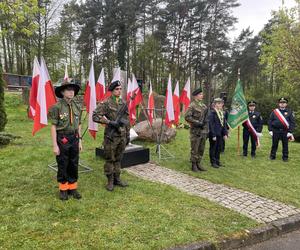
(143, 216)
(272, 179)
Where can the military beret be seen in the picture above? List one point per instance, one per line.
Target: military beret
(283, 99)
(218, 100)
(252, 103)
(197, 91)
(113, 85)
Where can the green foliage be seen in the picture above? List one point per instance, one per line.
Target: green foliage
(297, 129)
(3, 118)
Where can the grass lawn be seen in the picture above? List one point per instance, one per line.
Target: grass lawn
(144, 216)
(272, 179)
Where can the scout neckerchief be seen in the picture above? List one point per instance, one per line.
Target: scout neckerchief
(281, 119)
(220, 115)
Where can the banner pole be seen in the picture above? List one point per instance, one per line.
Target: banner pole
(238, 144)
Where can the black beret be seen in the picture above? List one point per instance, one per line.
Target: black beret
(283, 99)
(197, 91)
(252, 103)
(113, 85)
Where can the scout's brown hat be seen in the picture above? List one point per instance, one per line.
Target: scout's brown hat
(64, 86)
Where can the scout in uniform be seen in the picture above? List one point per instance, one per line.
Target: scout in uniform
(257, 123)
(281, 125)
(217, 130)
(113, 112)
(65, 117)
(197, 116)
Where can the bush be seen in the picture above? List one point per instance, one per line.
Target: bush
(297, 129)
(6, 138)
(3, 118)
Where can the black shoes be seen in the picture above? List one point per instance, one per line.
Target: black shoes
(63, 195)
(76, 195)
(214, 165)
(285, 159)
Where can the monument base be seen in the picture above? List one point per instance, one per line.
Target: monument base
(133, 155)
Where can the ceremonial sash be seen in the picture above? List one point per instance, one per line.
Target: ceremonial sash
(253, 132)
(281, 119)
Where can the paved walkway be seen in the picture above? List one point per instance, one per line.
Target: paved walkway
(254, 206)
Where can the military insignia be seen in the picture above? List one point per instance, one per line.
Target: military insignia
(254, 116)
(62, 116)
(285, 113)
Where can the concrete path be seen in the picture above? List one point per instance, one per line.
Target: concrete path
(256, 207)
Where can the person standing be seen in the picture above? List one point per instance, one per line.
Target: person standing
(217, 132)
(281, 125)
(197, 116)
(113, 112)
(257, 123)
(65, 117)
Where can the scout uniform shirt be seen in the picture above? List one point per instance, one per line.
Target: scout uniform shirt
(66, 116)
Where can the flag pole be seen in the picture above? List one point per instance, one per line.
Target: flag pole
(238, 142)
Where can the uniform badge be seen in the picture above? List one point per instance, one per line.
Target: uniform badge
(62, 116)
(254, 116)
(285, 113)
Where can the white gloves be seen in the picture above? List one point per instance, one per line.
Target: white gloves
(271, 133)
(289, 135)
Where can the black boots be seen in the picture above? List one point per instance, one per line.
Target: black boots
(75, 194)
(118, 182)
(110, 182)
(63, 195)
(194, 167)
(200, 167)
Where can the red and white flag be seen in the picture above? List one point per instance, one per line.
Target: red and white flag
(66, 77)
(34, 87)
(169, 104)
(150, 105)
(45, 99)
(131, 109)
(128, 95)
(176, 104)
(185, 97)
(90, 101)
(116, 77)
(100, 87)
(136, 91)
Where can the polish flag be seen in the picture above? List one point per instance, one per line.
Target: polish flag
(66, 77)
(34, 87)
(100, 87)
(116, 77)
(150, 105)
(136, 91)
(90, 99)
(169, 104)
(176, 104)
(131, 108)
(185, 97)
(45, 99)
(128, 96)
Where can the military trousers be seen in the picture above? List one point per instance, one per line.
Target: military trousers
(246, 136)
(197, 147)
(67, 160)
(215, 149)
(113, 153)
(280, 136)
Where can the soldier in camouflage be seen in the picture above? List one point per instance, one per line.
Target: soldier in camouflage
(116, 133)
(196, 115)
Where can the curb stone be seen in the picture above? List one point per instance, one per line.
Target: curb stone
(250, 237)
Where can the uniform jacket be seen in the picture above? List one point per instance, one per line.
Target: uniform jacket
(197, 112)
(215, 126)
(61, 114)
(256, 121)
(276, 125)
(109, 108)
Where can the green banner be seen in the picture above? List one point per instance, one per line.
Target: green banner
(238, 111)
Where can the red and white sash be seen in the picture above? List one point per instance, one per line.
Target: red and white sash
(281, 119)
(253, 132)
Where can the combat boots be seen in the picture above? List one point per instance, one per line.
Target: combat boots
(118, 182)
(110, 182)
(194, 167)
(75, 194)
(201, 168)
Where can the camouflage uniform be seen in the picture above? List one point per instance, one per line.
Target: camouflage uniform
(67, 118)
(114, 143)
(196, 116)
